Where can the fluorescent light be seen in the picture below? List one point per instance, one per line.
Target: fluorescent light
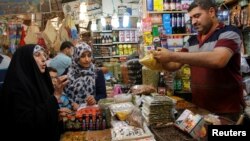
(93, 25)
(115, 21)
(103, 21)
(125, 19)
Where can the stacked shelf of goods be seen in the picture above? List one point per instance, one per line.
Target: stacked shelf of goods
(119, 42)
(102, 44)
(168, 25)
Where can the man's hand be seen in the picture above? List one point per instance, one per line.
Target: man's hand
(162, 55)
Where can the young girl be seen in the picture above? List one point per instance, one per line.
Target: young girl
(86, 82)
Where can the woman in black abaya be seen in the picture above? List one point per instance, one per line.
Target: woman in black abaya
(29, 108)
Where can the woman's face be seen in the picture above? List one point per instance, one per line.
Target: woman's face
(85, 59)
(40, 58)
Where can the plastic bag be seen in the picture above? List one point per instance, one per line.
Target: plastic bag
(135, 118)
(142, 89)
(150, 62)
(244, 67)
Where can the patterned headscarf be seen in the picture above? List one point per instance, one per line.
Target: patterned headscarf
(81, 80)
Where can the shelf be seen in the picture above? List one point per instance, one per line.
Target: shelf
(162, 12)
(120, 56)
(107, 44)
(114, 56)
(125, 42)
(104, 31)
(181, 34)
(117, 29)
(102, 57)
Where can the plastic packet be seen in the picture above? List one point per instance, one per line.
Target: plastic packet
(149, 61)
(142, 89)
(135, 118)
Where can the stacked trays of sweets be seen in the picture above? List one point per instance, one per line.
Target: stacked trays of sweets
(158, 110)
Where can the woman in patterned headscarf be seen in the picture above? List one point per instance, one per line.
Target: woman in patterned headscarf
(86, 82)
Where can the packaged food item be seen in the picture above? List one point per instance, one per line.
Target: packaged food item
(134, 118)
(142, 89)
(122, 115)
(149, 61)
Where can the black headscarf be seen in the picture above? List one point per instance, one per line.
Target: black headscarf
(27, 101)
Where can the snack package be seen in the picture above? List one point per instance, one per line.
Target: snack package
(135, 118)
(142, 89)
(149, 61)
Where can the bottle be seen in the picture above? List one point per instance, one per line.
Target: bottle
(166, 5)
(183, 25)
(110, 39)
(103, 39)
(106, 39)
(90, 122)
(84, 127)
(172, 5)
(179, 23)
(121, 50)
(114, 37)
(104, 122)
(177, 81)
(178, 5)
(161, 88)
(98, 39)
(173, 23)
(97, 122)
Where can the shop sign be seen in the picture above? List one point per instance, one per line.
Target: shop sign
(72, 8)
(8, 7)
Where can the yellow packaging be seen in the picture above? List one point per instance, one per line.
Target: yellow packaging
(148, 38)
(149, 61)
(158, 5)
(120, 50)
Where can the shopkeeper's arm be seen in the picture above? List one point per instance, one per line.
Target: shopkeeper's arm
(217, 58)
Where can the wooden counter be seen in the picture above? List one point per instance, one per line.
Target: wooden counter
(98, 135)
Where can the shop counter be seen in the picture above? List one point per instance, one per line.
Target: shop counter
(98, 135)
(105, 135)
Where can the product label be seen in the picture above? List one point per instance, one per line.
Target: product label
(161, 90)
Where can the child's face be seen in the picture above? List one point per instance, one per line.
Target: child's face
(53, 76)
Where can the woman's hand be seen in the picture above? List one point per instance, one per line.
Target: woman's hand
(90, 100)
(63, 112)
(75, 106)
(62, 81)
